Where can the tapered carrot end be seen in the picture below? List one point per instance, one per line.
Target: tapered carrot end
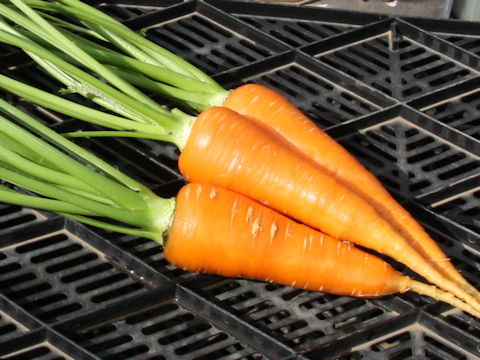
(469, 288)
(440, 295)
(415, 261)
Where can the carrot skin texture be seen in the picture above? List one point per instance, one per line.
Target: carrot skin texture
(236, 237)
(238, 154)
(276, 112)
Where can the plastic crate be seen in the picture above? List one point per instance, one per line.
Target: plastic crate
(400, 93)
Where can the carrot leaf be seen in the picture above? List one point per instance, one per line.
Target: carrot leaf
(64, 184)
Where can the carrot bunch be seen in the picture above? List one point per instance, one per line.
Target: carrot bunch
(204, 229)
(251, 140)
(236, 150)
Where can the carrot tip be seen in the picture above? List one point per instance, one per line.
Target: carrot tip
(440, 295)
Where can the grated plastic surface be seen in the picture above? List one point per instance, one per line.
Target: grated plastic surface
(400, 93)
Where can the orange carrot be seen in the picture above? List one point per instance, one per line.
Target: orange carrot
(292, 184)
(270, 108)
(221, 232)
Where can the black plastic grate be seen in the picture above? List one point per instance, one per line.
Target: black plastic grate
(293, 315)
(181, 334)
(9, 329)
(405, 346)
(409, 160)
(206, 44)
(38, 352)
(296, 33)
(464, 209)
(325, 102)
(469, 43)
(403, 73)
(56, 277)
(400, 93)
(460, 113)
(132, 11)
(12, 217)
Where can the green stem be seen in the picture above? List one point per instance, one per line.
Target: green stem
(88, 195)
(171, 138)
(57, 190)
(32, 201)
(114, 26)
(180, 88)
(82, 11)
(23, 150)
(91, 87)
(196, 94)
(128, 47)
(42, 172)
(176, 135)
(116, 228)
(159, 216)
(75, 110)
(74, 86)
(72, 27)
(158, 72)
(197, 100)
(96, 87)
(66, 79)
(102, 23)
(34, 168)
(113, 190)
(57, 39)
(127, 216)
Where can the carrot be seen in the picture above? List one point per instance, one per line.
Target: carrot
(260, 165)
(100, 195)
(270, 108)
(221, 232)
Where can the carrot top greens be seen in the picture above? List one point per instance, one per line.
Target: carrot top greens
(78, 54)
(75, 43)
(55, 169)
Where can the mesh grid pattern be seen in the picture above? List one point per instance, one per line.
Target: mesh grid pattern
(400, 94)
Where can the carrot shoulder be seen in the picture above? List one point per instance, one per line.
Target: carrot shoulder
(268, 107)
(221, 232)
(238, 154)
